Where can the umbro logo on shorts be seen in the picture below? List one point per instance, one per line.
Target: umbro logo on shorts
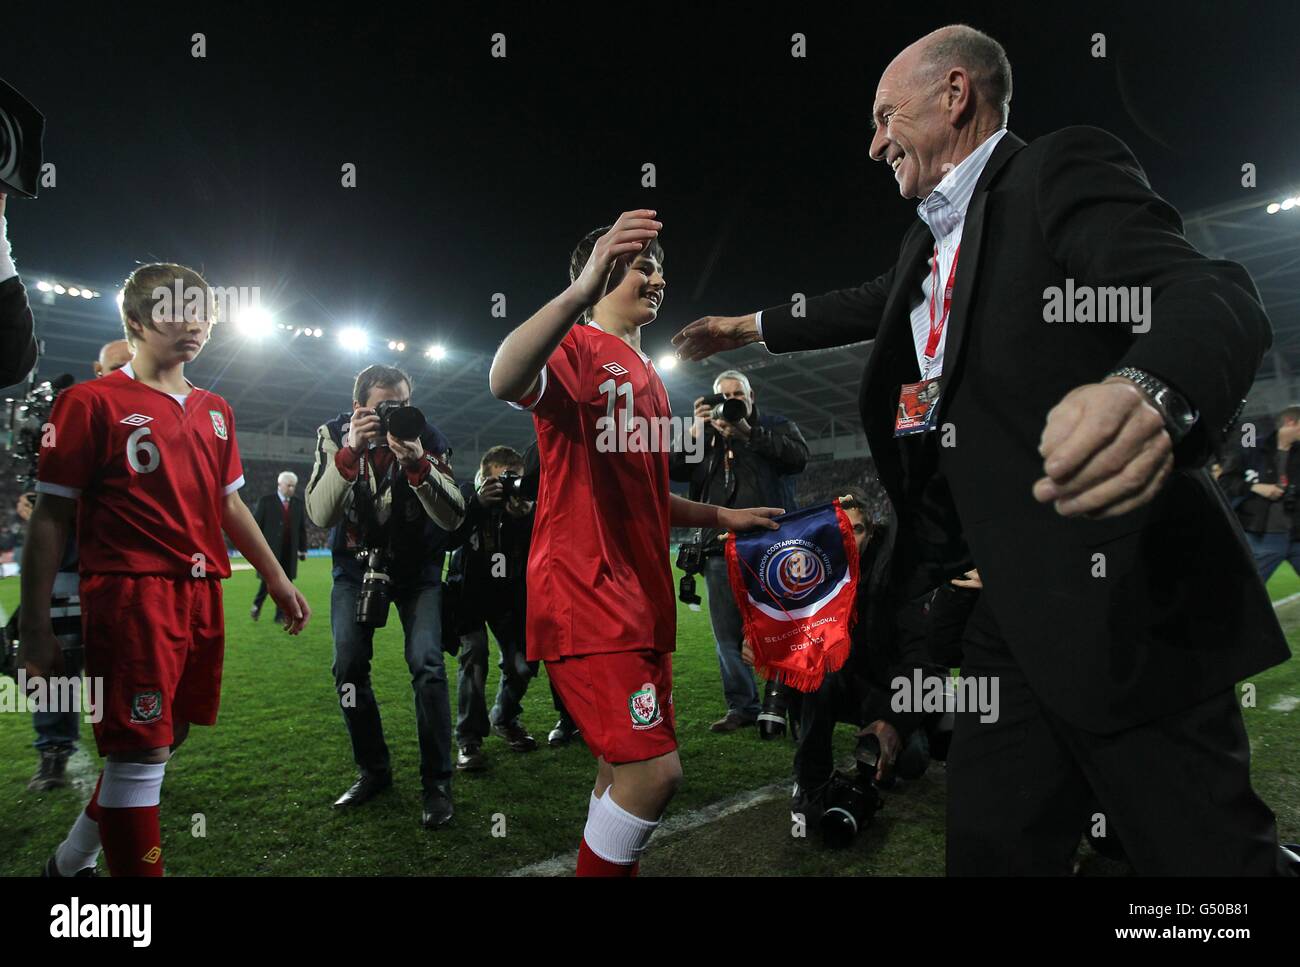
(615, 368)
(137, 419)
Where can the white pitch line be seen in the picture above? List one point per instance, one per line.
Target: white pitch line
(565, 863)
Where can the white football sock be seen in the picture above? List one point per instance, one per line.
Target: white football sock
(614, 834)
(80, 849)
(128, 785)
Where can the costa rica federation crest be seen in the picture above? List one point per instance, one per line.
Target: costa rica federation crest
(218, 424)
(793, 569)
(644, 706)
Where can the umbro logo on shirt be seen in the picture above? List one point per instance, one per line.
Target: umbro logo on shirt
(615, 368)
(137, 419)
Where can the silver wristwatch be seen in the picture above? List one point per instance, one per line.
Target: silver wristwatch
(1178, 413)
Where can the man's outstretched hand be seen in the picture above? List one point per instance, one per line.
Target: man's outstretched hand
(1105, 451)
(715, 334)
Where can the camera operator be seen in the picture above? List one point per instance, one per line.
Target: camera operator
(745, 455)
(1260, 482)
(57, 732)
(489, 569)
(381, 479)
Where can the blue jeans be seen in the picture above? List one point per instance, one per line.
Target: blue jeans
(728, 628)
(60, 729)
(474, 721)
(420, 611)
(1271, 550)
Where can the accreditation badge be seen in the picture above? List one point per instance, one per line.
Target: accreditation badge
(918, 406)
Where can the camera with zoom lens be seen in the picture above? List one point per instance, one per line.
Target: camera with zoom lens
(376, 589)
(690, 559)
(852, 799)
(402, 420)
(726, 408)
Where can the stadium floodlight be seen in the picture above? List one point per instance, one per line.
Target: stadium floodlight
(318, 333)
(1288, 204)
(44, 286)
(354, 338)
(59, 290)
(254, 322)
(1273, 208)
(397, 345)
(436, 353)
(74, 291)
(87, 294)
(667, 361)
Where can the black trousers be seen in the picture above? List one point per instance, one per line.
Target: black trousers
(1176, 790)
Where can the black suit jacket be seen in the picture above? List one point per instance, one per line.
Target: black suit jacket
(270, 518)
(1180, 613)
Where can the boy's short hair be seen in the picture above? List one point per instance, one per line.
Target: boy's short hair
(578, 260)
(502, 456)
(1291, 412)
(142, 298)
(377, 375)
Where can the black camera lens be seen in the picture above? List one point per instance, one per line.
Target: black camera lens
(512, 485)
(850, 806)
(402, 420)
(771, 719)
(376, 592)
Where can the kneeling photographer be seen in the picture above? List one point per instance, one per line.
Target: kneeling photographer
(890, 640)
(382, 480)
(745, 455)
(486, 585)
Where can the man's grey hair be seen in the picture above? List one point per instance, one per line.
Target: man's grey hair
(982, 56)
(739, 377)
(287, 476)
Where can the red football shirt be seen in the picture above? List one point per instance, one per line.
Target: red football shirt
(598, 573)
(149, 475)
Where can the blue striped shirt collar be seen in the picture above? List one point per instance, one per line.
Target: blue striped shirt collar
(945, 207)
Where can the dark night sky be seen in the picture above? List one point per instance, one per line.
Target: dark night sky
(478, 175)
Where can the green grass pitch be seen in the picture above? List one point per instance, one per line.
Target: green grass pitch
(259, 784)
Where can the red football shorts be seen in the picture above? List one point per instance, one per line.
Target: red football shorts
(157, 643)
(622, 702)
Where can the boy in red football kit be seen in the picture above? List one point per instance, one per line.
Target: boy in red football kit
(150, 467)
(601, 609)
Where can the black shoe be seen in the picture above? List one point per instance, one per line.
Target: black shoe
(437, 808)
(52, 870)
(255, 612)
(471, 758)
(564, 732)
(516, 737)
(53, 771)
(367, 786)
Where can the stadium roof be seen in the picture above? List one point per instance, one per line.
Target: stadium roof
(290, 382)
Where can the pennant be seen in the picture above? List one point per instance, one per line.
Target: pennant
(796, 588)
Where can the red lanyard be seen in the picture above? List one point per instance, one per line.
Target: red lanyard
(936, 326)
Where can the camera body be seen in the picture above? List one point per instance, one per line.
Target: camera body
(726, 408)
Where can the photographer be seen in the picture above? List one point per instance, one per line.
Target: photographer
(382, 481)
(745, 455)
(488, 572)
(890, 640)
(1260, 482)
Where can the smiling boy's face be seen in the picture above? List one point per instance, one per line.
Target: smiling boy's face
(638, 296)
